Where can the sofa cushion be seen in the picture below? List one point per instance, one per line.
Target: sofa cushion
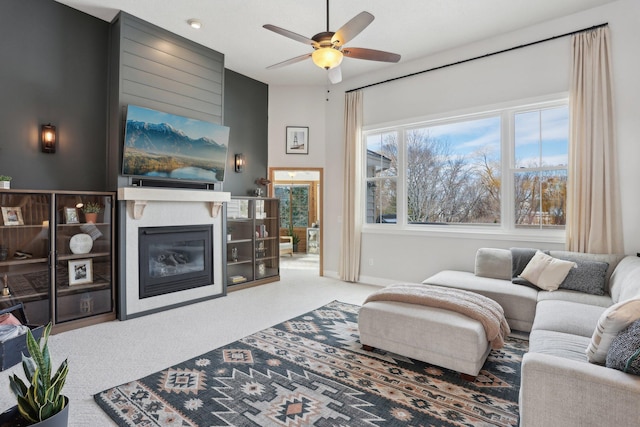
(518, 302)
(494, 263)
(546, 272)
(624, 353)
(575, 296)
(567, 317)
(588, 277)
(613, 320)
(567, 346)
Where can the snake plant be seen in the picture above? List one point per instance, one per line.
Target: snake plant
(41, 399)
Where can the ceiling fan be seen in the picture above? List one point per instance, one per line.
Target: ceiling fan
(329, 46)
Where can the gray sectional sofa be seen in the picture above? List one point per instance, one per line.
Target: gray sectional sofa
(559, 387)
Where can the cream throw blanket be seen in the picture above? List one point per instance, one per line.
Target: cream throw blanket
(476, 306)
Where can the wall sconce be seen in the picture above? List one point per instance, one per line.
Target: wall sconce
(48, 138)
(240, 163)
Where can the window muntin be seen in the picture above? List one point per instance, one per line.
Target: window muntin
(505, 168)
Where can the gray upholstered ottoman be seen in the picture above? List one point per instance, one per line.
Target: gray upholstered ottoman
(433, 335)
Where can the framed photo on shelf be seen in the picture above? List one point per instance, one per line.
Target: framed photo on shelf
(297, 140)
(80, 272)
(12, 216)
(71, 216)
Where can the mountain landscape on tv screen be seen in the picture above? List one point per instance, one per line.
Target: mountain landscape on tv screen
(160, 150)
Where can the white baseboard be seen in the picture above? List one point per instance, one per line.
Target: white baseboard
(367, 280)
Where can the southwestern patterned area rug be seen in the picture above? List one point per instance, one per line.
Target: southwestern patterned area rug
(311, 371)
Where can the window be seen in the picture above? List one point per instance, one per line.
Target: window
(540, 174)
(453, 172)
(382, 167)
(294, 204)
(505, 168)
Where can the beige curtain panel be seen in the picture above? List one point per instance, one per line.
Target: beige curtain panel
(593, 200)
(349, 267)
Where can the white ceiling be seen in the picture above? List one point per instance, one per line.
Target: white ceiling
(412, 28)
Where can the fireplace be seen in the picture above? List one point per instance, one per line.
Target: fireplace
(160, 209)
(174, 258)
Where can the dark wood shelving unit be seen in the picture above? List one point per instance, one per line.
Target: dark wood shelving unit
(252, 245)
(42, 282)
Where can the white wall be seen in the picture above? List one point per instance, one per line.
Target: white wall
(297, 106)
(533, 71)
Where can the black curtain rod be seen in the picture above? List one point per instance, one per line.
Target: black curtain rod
(479, 57)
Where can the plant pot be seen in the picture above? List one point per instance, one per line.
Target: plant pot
(5, 184)
(91, 217)
(12, 418)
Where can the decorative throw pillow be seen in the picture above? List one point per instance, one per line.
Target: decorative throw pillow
(91, 230)
(624, 353)
(520, 257)
(611, 322)
(588, 277)
(546, 272)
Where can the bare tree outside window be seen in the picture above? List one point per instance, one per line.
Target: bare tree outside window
(453, 173)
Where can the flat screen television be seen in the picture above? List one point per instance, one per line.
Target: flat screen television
(163, 146)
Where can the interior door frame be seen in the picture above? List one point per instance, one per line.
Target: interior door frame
(272, 173)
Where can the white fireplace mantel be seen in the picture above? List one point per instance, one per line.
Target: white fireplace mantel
(138, 197)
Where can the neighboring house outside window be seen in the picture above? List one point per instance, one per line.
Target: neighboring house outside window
(501, 168)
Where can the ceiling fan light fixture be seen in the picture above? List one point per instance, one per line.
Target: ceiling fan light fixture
(327, 57)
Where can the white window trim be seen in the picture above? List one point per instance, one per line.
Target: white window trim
(506, 230)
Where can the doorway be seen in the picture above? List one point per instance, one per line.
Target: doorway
(300, 191)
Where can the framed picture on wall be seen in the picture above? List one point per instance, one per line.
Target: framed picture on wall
(297, 140)
(12, 216)
(80, 272)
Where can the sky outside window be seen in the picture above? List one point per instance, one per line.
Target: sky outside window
(542, 138)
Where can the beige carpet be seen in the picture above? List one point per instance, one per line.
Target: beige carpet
(112, 353)
(300, 261)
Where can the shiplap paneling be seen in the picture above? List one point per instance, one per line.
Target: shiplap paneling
(154, 68)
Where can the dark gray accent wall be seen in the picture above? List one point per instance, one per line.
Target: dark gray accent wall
(53, 68)
(59, 71)
(245, 112)
(154, 68)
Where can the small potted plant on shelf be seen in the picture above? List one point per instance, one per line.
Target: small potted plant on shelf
(5, 181)
(91, 211)
(40, 403)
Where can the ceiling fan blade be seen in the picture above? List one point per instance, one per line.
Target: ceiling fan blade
(352, 28)
(370, 54)
(289, 34)
(335, 75)
(290, 61)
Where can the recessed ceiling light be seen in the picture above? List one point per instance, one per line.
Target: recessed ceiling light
(195, 23)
